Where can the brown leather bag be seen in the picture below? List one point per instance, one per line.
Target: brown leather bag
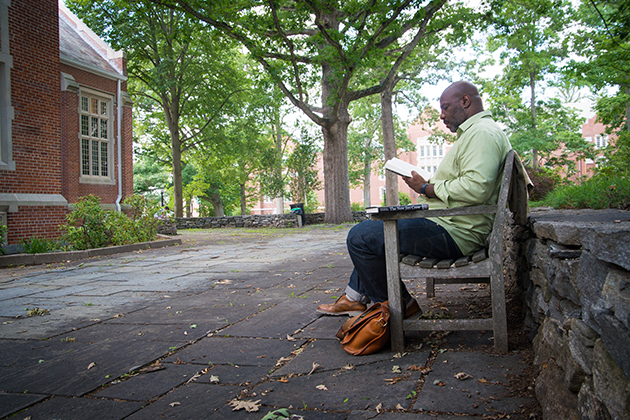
(366, 333)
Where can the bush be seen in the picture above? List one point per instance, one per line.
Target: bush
(544, 181)
(39, 246)
(357, 207)
(599, 192)
(90, 226)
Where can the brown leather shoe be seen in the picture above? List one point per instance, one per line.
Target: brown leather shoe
(413, 310)
(343, 306)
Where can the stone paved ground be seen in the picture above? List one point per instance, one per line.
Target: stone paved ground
(181, 332)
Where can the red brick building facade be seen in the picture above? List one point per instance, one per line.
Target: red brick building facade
(65, 118)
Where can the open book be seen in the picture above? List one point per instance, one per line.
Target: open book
(403, 168)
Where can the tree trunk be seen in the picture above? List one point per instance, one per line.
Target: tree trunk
(628, 111)
(532, 106)
(178, 194)
(217, 204)
(367, 175)
(389, 143)
(335, 154)
(243, 200)
(279, 204)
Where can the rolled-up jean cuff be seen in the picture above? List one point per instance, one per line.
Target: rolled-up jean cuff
(356, 296)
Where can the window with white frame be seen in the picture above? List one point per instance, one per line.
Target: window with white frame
(96, 135)
(434, 150)
(601, 141)
(421, 150)
(441, 150)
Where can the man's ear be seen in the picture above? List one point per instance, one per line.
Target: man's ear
(465, 101)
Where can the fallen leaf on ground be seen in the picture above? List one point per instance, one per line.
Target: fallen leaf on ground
(396, 369)
(462, 376)
(289, 338)
(173, 404)
(249, 406)
(399, 407)
(91, 365)
(438, 383)
(322, 387)
(152, 368)
(379, 408)
(214, 379)
(315, 366)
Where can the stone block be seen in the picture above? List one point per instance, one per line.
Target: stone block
(616, 338)
(610, 243)
(563, 252)
(548, 342)
(564, 284)
(610, 383)
(577, 363)
(591, 278)
(556, 400)
(616, 294)
(589, 406)
(566, 233)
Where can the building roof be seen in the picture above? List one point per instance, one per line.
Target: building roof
(80, 47)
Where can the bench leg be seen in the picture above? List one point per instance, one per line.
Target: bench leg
(430, 287)
(499, 315)
(394, 291)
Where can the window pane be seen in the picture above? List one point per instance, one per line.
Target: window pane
(103, 108)
(85, 125)
(94, 132)
(103, 158)
(94, 109)
(84, 104)
(94, 157)
(103, 129)
(85, 157)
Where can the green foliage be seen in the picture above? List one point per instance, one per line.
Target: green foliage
(544, 180)
(404, 198)
(301, 167)
(357, 207)
(599, 192)
(3, 234)
(37, 245)
(90, 226)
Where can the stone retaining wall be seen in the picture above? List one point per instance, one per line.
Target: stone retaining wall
(286, 220)
(578, 296)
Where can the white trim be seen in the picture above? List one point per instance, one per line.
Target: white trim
(97, 179)
(91, 69)
(13, 201)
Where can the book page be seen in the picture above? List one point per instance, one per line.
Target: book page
(404, 168)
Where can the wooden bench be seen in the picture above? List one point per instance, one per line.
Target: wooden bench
(471, 269)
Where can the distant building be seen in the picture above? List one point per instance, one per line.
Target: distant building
(65, 118)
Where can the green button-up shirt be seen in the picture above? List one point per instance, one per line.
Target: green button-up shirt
(470, 175)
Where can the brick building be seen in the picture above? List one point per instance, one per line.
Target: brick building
(65, 118)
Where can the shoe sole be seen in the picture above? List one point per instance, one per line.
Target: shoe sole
(346, 313)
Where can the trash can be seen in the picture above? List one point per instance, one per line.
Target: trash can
(298, 209)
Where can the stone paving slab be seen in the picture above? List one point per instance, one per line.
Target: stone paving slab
(236, 374)
(69, 374)
(294, 313)
(485, 392)
(151, 385)
(192, 401)
(367, 415)
(359, 388)
(80, 408)
(11, 403)
(329, 355)
(236, 351)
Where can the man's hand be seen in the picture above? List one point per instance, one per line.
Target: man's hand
(415, 181)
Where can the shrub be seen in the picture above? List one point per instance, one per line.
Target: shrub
(90, 226)
(599, 192)
(357, 207)
(544, 181)
(39, 246)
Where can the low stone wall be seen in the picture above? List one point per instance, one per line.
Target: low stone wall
(578, 296)
(286, 220)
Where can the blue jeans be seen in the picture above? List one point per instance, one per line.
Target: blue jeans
(421, 237)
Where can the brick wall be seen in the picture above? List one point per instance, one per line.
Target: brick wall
(34, 44)
(35, 221)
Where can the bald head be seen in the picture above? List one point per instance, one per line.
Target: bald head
(458, 102)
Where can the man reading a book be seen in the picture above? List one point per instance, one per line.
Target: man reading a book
(469, 175)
